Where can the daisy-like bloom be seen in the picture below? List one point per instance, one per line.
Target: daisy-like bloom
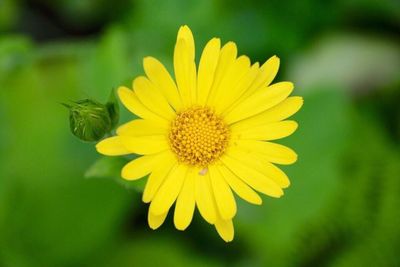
(207, 134)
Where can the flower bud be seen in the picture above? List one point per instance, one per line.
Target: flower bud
(89, 120)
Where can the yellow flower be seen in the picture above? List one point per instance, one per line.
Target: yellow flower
(206, 134)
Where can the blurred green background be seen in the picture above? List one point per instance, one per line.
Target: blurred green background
(343, 207)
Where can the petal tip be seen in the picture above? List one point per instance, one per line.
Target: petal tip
(295, 125)
(100, 149)
(227, 237)
(154, 226)
(181, 227)
(290, 85)
(286, 185)
(232, 44)
(184, 30)
(122, 90)
(147, 60)
(258, 202)
(275, 57)
(295, 158)
(301, 100)
(145, 199)
(124, 175)
(184, 26)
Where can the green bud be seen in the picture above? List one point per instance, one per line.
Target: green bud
(89, 120)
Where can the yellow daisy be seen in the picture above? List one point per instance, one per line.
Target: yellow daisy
(207, 134)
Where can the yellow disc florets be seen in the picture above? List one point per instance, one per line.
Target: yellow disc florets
(198, 136)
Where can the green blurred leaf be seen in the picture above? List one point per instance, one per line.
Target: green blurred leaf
(106, 167)
(110, 167)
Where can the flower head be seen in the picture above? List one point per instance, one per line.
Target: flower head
(207, 134)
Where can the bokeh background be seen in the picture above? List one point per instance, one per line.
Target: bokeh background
(343, 207)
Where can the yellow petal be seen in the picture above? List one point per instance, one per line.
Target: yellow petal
(185, 202)
(226, 59)
(145, 145)
(252, 177)
(185, 71)
(156, 221)
(225, 229)
(266, 168)
(133, 104)
(204, 198)
(271, 152)
(271, 131)
(152, 99)
(282, 111)
(237, 90)
(207, 66)
(275, 173)
(163, 81)
(236, 72)
(169, 190)
(112, 147)
(158, 175)
(224, 198)
(141, 166)
(240, 188)
(260, 101)
(186, 34)
(141, 128)
(266, 75)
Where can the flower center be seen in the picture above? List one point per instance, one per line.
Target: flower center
(198, 137)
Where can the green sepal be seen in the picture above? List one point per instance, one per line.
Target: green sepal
(113, 109)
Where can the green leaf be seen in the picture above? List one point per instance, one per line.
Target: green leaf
(106, 167)
(110, 167)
